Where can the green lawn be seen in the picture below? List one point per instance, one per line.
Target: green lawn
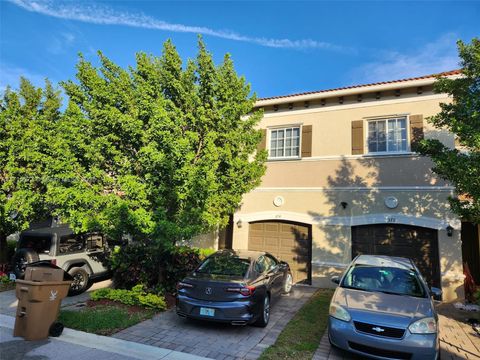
(302, 335)
(103, 319)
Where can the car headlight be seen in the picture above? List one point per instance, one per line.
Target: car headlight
(424, 326)
(339, 313)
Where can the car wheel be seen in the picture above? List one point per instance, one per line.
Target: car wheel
(21, 259)
(265, 312)
(80, 281)
(287, 283)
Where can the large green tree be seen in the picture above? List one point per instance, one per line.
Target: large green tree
(461, 116)
(167, 150)
(28, 120)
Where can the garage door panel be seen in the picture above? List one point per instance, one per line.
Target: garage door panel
(419, 244)
(290, 242)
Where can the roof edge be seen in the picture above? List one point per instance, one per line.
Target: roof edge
(355, 89)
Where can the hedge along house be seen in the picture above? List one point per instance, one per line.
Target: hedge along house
(342, 180)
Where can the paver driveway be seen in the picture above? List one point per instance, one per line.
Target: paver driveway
(214, 340)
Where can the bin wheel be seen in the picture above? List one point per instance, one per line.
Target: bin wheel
(80, 281)
(56, 329)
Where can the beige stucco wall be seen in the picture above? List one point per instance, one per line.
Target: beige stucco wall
(313, 188)
(331, 224)
(208, 240)
(331, 126)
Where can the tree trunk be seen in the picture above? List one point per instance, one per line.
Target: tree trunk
(3, 248)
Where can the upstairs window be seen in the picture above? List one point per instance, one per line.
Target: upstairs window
(387, 135)
(285, 143)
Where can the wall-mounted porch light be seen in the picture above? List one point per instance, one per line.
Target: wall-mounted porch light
(344, 204)
(239, 223)
(449, 229)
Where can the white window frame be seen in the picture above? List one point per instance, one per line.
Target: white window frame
(285, 127)
(385, 119)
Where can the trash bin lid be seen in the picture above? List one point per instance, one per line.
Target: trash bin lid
(48, 264)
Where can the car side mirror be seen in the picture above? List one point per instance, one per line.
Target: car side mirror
(335, 279)
(436, 293)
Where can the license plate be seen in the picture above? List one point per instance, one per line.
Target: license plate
(207, 311)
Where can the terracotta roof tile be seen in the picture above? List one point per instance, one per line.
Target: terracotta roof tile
(446, 73)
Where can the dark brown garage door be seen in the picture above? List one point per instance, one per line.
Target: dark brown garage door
(414, 242)
(287, 241)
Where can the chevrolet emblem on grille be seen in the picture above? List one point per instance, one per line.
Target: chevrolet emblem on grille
(378, 329)
(208, 290)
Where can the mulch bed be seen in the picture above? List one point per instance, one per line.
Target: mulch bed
(105, 302)
(7, 286)
(170, 300)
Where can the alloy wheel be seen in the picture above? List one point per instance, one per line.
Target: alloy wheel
(288, 283)
(266, 309)
(78, 282)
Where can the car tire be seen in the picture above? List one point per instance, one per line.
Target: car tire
(264, 312)
(287, 283)
(80, 281)
(21, 259)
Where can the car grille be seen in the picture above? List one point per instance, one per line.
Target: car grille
(379, 352)
(387, 331)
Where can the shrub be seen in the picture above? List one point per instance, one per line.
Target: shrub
(4, 279)
(135, 297)
(136, 263)
(156, 267)
(206, 252)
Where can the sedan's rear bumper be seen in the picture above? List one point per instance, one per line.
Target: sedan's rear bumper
(234, 312)
(412, 346)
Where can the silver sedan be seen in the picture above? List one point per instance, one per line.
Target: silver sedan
(383, 309)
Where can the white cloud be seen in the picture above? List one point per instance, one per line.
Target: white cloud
(59, 44)
(437, 56)
(107, 16)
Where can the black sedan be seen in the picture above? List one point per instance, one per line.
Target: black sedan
(234, 287)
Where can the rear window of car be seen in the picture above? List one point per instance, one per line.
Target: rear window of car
(388, 280)
(39, 243)
(224, 265)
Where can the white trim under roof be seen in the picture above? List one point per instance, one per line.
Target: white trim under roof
(352, 91)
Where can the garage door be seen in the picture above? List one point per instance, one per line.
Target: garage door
(414, 242)
(287, 241)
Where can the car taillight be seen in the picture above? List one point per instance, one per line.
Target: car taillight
(53, 261)
(245, 291)
(182, 285)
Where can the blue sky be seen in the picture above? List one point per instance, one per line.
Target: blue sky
(281, 47)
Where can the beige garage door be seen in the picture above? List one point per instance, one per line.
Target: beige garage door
(414, 242)
(287, 241)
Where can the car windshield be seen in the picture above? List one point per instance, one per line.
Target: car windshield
(388, 280)
(224, 265)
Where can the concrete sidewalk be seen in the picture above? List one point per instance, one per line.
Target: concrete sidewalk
(73, 345)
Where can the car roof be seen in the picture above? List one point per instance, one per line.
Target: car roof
(250, 254)
(384, 260)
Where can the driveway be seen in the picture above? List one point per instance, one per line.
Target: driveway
(8, 301)
(213, 340)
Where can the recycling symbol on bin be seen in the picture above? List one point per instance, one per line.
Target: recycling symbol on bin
(53, 295)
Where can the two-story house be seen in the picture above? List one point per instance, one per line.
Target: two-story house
(342, 180)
